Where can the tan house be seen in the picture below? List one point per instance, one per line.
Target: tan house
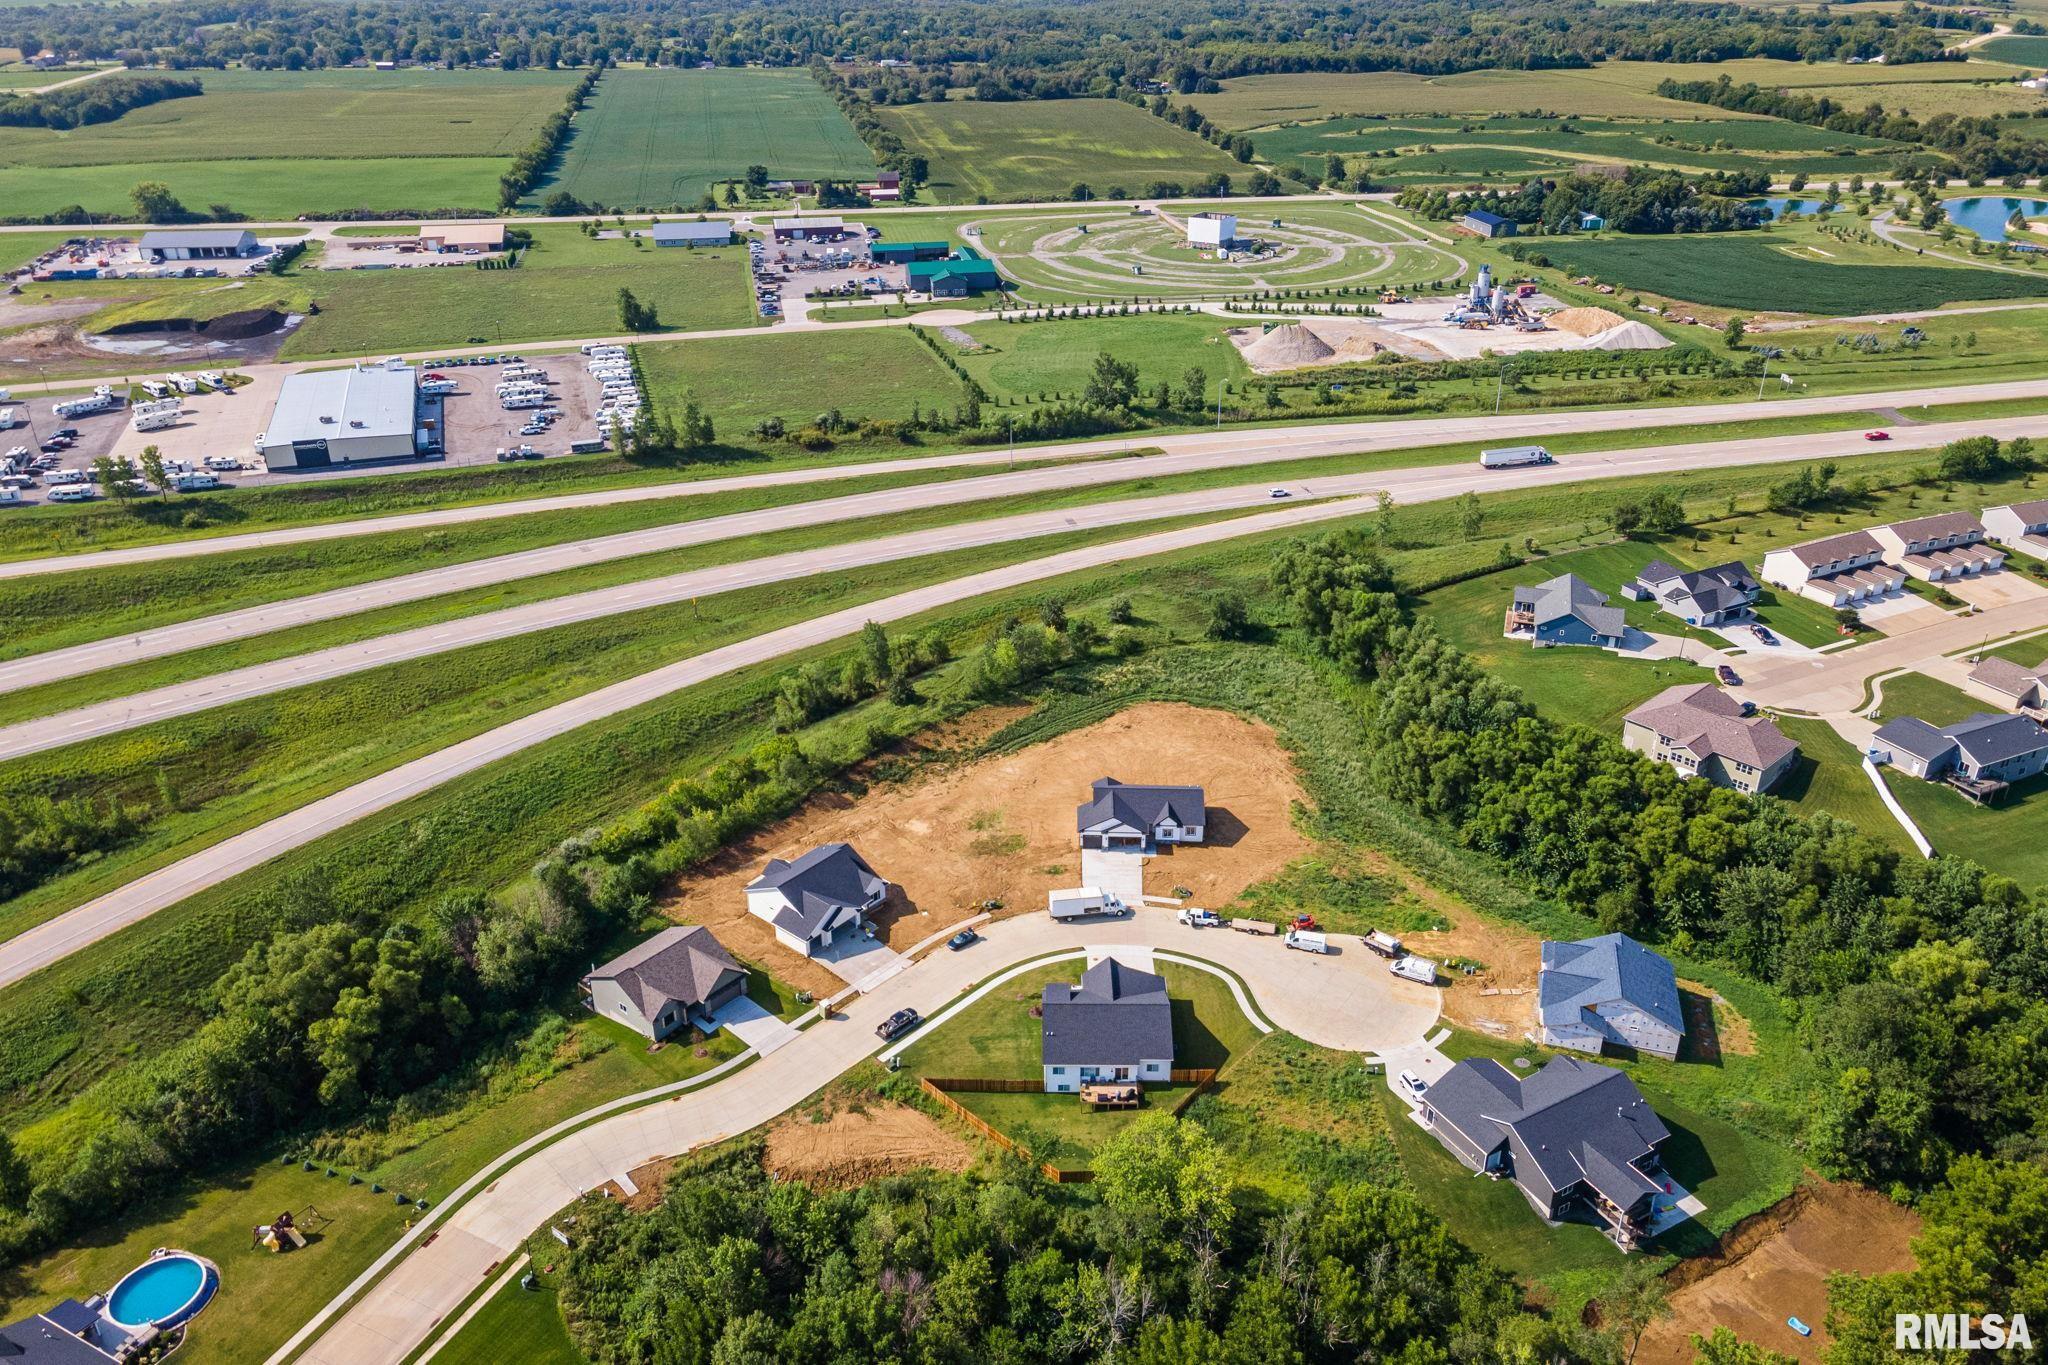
(2009, 684)
(1947, 545)
(1839, 571)
(467, 237)
(1701, 731)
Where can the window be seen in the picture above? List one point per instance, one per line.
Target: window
(1059, 1071)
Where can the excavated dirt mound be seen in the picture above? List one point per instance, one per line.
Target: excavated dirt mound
(1288, 345)
(956, 832)
(852, 1148)
(251, 322)
(1629, 336)
(1585, 322)
(1775, 1265)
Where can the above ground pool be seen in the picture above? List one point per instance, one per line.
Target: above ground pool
(164, 1292)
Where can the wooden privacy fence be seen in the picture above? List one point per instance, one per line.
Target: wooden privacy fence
(1200, 1078)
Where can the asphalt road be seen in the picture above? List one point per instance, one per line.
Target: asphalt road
(1407, 486)
(1247, 445)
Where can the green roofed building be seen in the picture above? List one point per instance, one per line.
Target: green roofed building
(967, 272)
(903, 253)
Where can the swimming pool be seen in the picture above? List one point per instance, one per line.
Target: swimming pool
(165, 1291)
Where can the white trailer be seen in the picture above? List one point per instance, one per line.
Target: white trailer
(9, 419)
(1082, 900)
(1514, 457)
(1308, 940)
(1414, 969)
(101, 400)
(164, 415)
(1383, 943)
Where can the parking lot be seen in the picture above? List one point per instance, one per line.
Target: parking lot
(478, 426)
(805, 268)
(37, 426)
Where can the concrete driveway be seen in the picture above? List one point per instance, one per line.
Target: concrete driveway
(756, 1027)
(1997, 589)
(860, 961)
(1120, 874)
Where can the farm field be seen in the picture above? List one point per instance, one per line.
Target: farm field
(1038, 149)
(1756, 272)
(1767, 71)
(1262, 101)
(277, 143)
(2020, 51)
(657, 139)
(1032, 358)
(1728, 144)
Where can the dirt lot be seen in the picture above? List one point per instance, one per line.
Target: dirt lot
(851, 1148)
(959, 833)
(1775, 1266)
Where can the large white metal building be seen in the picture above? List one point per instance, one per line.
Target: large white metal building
(1212, 229)
(350, 416)
(202, 244)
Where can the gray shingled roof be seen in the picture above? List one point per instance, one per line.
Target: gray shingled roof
(1117, 1016)
(1572, 1121)
(1992, 736)
(1708, 721)
(686, 964)
(1939, 525)
(1914, 736)
(2003, 675)
(1571, 595)
(1716, 589)
(830, 878)
(37, 1341)
(1598, 971)
(1140, 806)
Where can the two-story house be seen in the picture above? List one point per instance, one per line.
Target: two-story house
(1936, 549)
(1701, 732)
(1838, 571)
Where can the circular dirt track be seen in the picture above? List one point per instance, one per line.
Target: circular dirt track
(1146, 255)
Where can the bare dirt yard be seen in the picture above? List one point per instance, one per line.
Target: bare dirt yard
(963, 830)
(851, 1147)
(1776, 1265)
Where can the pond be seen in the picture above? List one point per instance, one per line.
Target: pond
(1780, 207)
(1985, 215)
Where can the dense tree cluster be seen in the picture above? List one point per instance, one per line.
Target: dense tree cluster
(98, 101)
(547, 144)
(1162, 1261)
(1978, 145)
(1927, 980)
(41, 837)
(1642, 200)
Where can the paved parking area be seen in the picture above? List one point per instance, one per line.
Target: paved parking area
(1999, 588)
(215, 423)
(754, 1026)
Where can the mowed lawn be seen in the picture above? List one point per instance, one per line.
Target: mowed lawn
(1750, 270)
(276, 143)
(1029, 358)
(656, 139)
(520, 1323)
(868, 373)
(1038, 149)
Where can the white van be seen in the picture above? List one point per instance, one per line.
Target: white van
(1308, 940)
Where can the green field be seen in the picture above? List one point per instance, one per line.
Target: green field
(1262, 101)
(869, 373)
(1031, 358)
(1753, 271)
(2021, 51)
(658, 139)
(526, 1320)
(276, 143)
(1038, 149)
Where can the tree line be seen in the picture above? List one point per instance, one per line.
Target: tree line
(100, 100)
(1641, 200)
(534, 160)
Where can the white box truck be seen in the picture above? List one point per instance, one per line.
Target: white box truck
(1082, 900)
(1513, 457)
(1308, 940)
(9, 419)
(1414, 969)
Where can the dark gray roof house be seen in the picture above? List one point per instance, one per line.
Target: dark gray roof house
(1577, 1138)
(41, 1341)
(660, 986)
(810, 899)
(1988, 747)
(1116, 1025)
(1609, 989)
(1125, 815)
(1567, 610)
(1704, 597)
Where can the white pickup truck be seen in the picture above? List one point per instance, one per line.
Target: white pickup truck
(1200, 919)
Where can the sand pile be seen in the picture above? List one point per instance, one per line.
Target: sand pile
(1629, 336)
(1287, 346)
(1584, 322)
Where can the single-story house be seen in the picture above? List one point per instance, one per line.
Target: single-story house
(668, 983)
(1567, 610)
(1944, 546)
(965, 272)
(1988, 747)
(903, 253)
(1700, 731)
(197, 244)
(1125, 816)
(1577, 1138)
(1839, 571)
(817, 897)
(1117, 1025)
(1609, 989)
(463, 237)
(2021, 526)
(717, 232)
(1698, 597)
(1487, 224)
(822, 228)
(2011, 684)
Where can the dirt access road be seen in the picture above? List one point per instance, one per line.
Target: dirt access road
(1002, 828)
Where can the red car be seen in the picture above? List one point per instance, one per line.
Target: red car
(1877, 435)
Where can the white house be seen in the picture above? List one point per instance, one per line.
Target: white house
(1117, 1025)
(1121, 816)
(2021, 526)
(1212, 229)
(817, 898)
(1838, 571)
(1935, 549)
(1609, 989)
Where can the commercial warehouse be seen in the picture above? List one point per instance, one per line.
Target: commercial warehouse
(967, 272)
(353, 416)
(903, 253)
(463, 237)
(692, 234)
(206, 244)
